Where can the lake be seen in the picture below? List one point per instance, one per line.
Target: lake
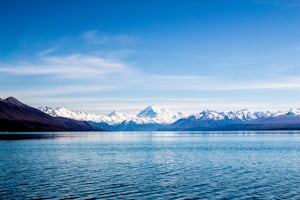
(150, 165)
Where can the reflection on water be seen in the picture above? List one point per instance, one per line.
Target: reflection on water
(151, 165)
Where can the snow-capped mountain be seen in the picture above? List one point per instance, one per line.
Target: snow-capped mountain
(115, 117)
(210, 115)
(111, 119)
(243, 115)
(63, 112)
(239, 120)
(155, 118)
(154, 114)
(294, 111)
(150, 115)
(151, 118)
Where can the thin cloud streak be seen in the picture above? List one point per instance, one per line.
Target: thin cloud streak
(80, 77)
(116, 75)
(206, 83)
(71, 66)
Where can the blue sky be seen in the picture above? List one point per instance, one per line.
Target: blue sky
(124, 55)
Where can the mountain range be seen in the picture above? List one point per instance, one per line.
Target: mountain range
(16, 116)
(154, 118)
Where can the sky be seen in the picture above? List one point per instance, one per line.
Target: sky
(124, 55)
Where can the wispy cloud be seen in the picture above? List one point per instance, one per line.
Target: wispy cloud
(100, 83)
(86, 75)
(211, 83)
(69, 66)
(116, 74)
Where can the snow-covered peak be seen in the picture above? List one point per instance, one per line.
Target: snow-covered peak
(291, 112)
(154, 114)
(150, 112)
(116, 117)
(114, 113)
(49, 111)
(244, 115)
(210, 115)
(294, 111)
(64, 112)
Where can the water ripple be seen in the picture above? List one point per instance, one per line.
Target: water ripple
(205, 167)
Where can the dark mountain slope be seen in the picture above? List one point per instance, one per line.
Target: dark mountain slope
(16, 116)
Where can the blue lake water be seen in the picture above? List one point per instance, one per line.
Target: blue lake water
(151, 165)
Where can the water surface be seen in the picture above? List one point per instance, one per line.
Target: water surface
(150, 165)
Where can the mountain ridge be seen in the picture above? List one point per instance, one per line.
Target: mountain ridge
(154, 118)
(149, 115)
(151, 112)
(16, 116)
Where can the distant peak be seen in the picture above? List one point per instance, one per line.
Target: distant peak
(206, 111)
(294, 111)
(151, 107)
(12, 100)
(153, 111)
(114, 113)
(150, 111)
